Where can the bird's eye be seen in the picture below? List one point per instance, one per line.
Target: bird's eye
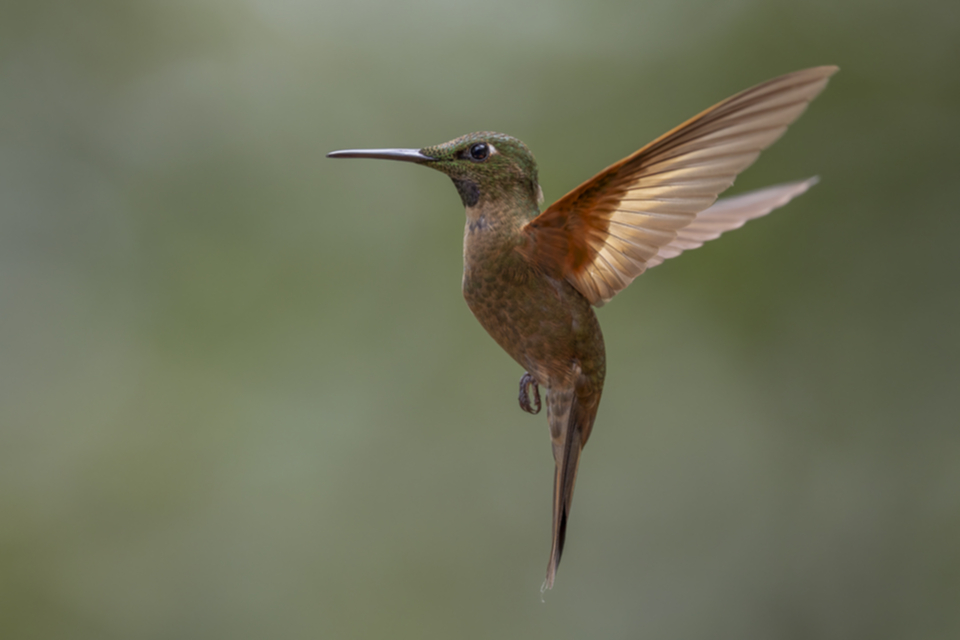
(479, 152)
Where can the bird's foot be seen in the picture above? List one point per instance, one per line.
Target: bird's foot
(525, 383)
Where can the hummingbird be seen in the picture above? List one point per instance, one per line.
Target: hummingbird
(531, 277)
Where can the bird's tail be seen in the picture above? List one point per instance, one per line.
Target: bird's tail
(571, 419)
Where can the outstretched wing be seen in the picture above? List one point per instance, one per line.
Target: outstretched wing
(607, 231)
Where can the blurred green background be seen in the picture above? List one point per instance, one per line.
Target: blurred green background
(241, 396)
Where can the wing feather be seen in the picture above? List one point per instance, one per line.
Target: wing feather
(729, 214)
(656, 203)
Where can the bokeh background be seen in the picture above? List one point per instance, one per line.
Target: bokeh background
(241, 396)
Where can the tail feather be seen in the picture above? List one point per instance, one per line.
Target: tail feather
(570, 419)
(564, 480)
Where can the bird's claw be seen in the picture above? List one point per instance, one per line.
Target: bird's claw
(525, 383)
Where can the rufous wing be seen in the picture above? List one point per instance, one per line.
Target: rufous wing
(607, 231)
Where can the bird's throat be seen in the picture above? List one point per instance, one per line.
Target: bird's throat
(469, 191)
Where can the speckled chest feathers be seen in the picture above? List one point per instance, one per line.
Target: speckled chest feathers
(542, 322)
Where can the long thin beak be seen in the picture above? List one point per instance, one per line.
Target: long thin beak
(406, 155)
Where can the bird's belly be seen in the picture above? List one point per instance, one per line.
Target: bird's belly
(544, 324)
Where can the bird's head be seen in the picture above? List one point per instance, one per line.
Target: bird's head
(487, 168)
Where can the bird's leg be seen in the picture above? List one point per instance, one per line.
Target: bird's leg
(525, 382)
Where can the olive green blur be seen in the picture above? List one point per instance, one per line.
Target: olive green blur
(241, 395)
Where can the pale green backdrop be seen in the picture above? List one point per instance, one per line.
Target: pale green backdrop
(241, 396)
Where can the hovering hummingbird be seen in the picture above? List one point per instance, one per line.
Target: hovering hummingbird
(530, 277)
